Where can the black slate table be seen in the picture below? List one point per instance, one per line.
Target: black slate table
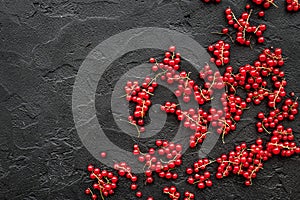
(43, 44)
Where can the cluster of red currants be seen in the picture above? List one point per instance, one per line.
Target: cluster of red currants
(243, 161)
(262, 80)
(213, 81)
(244, 28)
(197, 121)
(253, 79)
(169, 107)
(172, 192)
(293, 5)
(201, 179)
(221, 52)
(268, 64)
(282, 139)
(125, 171)
(105, 182)
(140, 95)
(189, 196)
(265, 3)
(234, 107)
(163, 161)
(185, 86)
(287, 111)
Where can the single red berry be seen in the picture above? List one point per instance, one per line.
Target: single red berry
(103, 154)
(172, 49)
(261, 14)
(139, 194)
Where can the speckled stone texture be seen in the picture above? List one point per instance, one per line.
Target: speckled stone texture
(42, 45)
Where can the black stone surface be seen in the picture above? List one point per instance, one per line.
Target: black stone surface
(42, 45)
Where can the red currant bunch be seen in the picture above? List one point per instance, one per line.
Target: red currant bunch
(140, 96)
(226, 120)
(172, 192)
(213, 79)
(162, 161)
(287, 111)
(244, 162)
(196, 120)
(268, 61)
(244, 28)
(167, 72)
(221, 51)
(105, 182)
(201, 179)
(293, 5)
(169, 107)
(265, 3)
(282, 142)
(124, 170)
(189, 196)
(184, 85)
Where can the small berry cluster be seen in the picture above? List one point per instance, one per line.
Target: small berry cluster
(265, 3)
(244, 28)
(167, 72)
(221, 51)
(213, 81)
(293, 5)
(105, 183)
(268, 64)
(288, 111)
(234, 107)
(185, 86)
(282, 139)
(162, 161)
(172, 192)
(243, 161)
(202, 180)
(189, 196)
(282, 142)
(268, 61)
(125, 171)
(169, 107)
(140, 95)
(197, 121)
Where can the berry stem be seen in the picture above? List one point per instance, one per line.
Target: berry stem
(157, 76)
(263, 126)
(271, 2)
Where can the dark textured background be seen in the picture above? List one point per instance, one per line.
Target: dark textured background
(42, 45)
